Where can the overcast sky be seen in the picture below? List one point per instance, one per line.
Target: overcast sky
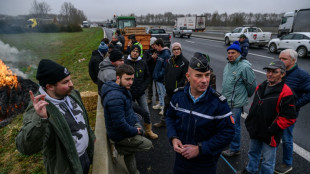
(99, 10)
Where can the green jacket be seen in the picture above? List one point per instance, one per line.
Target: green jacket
(53, 136)
(238, 82)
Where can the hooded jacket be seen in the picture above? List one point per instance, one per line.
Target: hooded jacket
(161, 62)
(238, 82)
(271, 113)
(142, 76)
(107, 72)
(175, 73)
(118, 113)
(244, 46)
(93, 65)
(54, 137)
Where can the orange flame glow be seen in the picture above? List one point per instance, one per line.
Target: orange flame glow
(7, 78)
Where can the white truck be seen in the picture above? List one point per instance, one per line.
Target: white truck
(255, 36)
(195, 23)
(297, 21)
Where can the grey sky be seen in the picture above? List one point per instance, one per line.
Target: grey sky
(100, 10)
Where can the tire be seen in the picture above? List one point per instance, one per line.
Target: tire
(302, 51)
(227, 41)
(189, 36)
(272, 48)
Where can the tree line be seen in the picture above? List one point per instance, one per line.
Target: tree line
(215, 19)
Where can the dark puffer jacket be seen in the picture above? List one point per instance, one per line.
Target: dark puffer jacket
(271, 113)
(93, 65)
(142, 77)
(161, 62)
(244, 47)
(118, 113)
(175, 73)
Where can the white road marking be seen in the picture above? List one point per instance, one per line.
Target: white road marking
(190, 41)
(261, 56)
(262, 72)
(297, 149)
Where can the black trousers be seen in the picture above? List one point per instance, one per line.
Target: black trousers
(85, 162)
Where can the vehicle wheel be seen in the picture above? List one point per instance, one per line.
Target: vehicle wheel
(181, 36)
(173, 35)
(227, 41)
(273, 48)
(189, 36)
(302, 51)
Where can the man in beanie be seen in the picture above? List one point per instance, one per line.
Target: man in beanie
(238, 84)
(56, 122)
(140, 83)
(244, 45)
(149, 56)
(97, 57)
(199, 121)
(133, 41)
(108, 66)
(175, 76)
(272, 111)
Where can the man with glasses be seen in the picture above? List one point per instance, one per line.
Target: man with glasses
(175, 77)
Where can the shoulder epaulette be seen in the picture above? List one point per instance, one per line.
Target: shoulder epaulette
(178, 89)
(220, 96)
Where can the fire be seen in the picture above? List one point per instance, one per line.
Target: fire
(7, 78)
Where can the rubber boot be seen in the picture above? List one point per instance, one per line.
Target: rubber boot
(149, 132)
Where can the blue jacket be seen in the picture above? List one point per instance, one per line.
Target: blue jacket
(207, 122)
(118, 113)
(244, 47)
(299, 81)
(161, 62)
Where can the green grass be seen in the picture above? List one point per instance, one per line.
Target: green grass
(72, 50)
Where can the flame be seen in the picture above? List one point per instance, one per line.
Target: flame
(7, 78)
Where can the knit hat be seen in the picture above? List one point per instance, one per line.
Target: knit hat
(50, 72)
(103, 48)
(153, 39)
(176, 44)
(200, 62)
(116, 55)
(135, 46)
(235, 46)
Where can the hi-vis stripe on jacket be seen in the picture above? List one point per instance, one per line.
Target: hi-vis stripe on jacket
(207, 122)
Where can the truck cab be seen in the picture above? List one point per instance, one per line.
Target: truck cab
(126, 21)
(286, 24)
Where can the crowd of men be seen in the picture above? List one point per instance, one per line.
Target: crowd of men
(200, 121)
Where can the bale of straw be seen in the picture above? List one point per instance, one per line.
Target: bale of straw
(89, 99)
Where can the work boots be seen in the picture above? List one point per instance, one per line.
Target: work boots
(149, 132)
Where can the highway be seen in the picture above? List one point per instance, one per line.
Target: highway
(160, 159)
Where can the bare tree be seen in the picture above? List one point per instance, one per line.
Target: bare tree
(40, 9)
(70, 15)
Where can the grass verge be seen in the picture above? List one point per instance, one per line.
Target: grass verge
(72, 50)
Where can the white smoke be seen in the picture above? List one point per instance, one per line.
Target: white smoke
(18, 61)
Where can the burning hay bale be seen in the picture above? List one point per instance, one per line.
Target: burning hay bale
(90, 100)
(14, 94)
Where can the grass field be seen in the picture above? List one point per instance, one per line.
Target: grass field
(72, 50)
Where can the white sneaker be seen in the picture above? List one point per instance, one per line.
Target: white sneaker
(157, 106)
(161, 111)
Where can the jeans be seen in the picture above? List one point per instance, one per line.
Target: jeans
(287, 141)
(143, 103)
(258, 148)
(85, 162)
(235, 144)
(161, 92)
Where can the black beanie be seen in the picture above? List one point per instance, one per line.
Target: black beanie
(50, 72)
(136, 46)
(116, 55)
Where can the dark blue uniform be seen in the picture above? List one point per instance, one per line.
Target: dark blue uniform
(207, 123)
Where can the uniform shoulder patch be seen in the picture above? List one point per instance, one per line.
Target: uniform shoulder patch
(219, 96)
(178, 89)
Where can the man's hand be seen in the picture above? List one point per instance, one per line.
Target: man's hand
(140, 131)
(177, 145)
(190, 151)
(39, 104)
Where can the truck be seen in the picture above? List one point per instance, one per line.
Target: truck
(160, 33)
(255, 35)
(194, 23)
(85, 24)
(297, 21)
(127, 26)
(181, 31)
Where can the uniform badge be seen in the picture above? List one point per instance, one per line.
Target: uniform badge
(198, 64)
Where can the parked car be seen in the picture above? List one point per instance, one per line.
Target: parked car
(255, 35)
(160, 33)
(182, 31)
(299, 41)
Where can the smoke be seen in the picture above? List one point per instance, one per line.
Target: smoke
(20, 62)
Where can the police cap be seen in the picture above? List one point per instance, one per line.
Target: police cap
(200, 62)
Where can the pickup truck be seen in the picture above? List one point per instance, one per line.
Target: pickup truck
(160, 33)
(255, 35)
(181, 31)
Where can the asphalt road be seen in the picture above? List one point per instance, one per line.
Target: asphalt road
(160, 159)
